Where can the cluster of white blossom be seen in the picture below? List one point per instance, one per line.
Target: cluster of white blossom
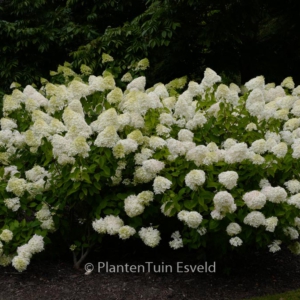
(223, 204)
(135, 205)
(177, 242)
(255, 200)
(6, 235)
(236, 241)
(25, 252)
(233, 229)
(274, 247)
(294, 200)
(255, 219)
(161, 184)
(194, 179)
(228, 179)
(44, 215)
(275, 194)
(12, 203)
(271, 223)
(191, 218)
(150, 236)
(110, 225)
(291, 232)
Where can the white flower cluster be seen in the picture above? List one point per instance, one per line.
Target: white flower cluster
(194, 179)
(177, 242)
(229, 179)
(12, 203)
(6, 235)
(125, 232)
(45, 217)
(293, 186)
(274, 247)
(224, 203)
(25, 252)
(236, 241)
(291, 232)
(16, 186)
(255, 200)
(255, 219)
(110, 225)
(150, 236)
(191, 218)
(271, 223)
(275, 194)
(161, 184)
(135, 205)
(233, 229)
(294, 200)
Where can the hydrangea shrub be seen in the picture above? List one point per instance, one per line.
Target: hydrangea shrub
(202, 163)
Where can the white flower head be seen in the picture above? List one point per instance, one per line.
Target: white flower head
(236, 241)
(251, 127)
(224, 203)
(255, 200)
(126, 232)
(274, 247)
(259, 146)
(255, 83)
(150, 236)
(12, 203)
(185, 135)
(16, 186)
(194, 179)
(20, 263)
(255, 219)
(137, 83)
(192, 219)
(145, 197)
(133, 207)
(210, 78)
(275, 194)
(295, 200)
(153, 165)
(293, 186)
(156, 142)
(177, 241)
(6, 235)
(36, 244)
(233, 229)
(271, 223)
(255, 102)
(288, 83)
(161, 184)
(280, 150)
(228, 179)
(291, 232)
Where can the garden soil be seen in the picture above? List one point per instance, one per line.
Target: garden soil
(245, 276)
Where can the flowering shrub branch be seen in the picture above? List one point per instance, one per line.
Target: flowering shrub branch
(88, 156)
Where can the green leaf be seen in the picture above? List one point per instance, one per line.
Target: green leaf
(97, 185)
(97, 176)
(106, 170)
(86, 177)
(189, 204)
(213, 224)
(108, 211)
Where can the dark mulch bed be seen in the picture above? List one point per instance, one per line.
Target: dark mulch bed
(254, 274)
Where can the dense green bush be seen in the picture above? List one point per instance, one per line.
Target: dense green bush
(89, 155)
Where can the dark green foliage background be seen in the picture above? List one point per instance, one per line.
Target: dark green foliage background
(238, 39)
